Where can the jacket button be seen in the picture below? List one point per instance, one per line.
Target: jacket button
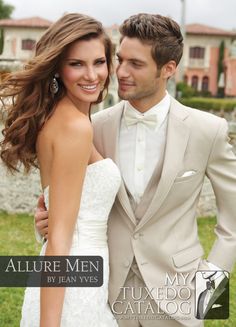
(126, 263)
(136, 236)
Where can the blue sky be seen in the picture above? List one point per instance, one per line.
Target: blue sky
(216, 13)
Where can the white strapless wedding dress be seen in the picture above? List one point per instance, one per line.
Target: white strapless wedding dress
(85, 306)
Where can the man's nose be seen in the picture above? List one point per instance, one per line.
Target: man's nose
(122, 70)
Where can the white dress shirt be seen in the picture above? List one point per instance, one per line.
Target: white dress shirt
(139, 147)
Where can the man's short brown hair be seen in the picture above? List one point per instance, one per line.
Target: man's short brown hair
(161, 32)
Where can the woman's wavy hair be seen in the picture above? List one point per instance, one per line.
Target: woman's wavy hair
(27, 102)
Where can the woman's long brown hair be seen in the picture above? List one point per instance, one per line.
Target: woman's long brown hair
(26, 100)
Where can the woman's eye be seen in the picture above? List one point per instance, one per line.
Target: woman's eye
(100, 62)
(75, 64)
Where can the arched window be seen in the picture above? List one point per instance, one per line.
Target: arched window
(185, 79)
(205, 83)
(196, 52)
(194, 82)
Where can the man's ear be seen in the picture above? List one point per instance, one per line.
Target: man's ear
(169, 69)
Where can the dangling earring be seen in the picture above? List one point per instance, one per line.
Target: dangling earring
(54, 86)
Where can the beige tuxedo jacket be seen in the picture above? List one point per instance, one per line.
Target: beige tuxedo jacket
(165, 240)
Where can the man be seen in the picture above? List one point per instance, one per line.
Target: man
(164, 150)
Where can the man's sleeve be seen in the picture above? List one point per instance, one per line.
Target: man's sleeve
(221, 170)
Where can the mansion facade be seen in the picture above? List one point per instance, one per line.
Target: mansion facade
(200, 58)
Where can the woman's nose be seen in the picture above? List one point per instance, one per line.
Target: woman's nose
(91, 74)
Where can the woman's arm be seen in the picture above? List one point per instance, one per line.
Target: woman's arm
(71, 151)
(41, 213)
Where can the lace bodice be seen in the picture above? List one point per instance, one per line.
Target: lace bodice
(101, 183)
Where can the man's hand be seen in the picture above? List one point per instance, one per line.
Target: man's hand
(41, 218)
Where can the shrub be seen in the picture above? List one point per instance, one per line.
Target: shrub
(210, 103)
(185, 90)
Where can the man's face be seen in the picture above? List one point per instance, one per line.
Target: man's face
(140, 81)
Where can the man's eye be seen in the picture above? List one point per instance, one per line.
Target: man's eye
(136, 64)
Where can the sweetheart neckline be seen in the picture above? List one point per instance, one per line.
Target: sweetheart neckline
(96, 162)
(92, 164)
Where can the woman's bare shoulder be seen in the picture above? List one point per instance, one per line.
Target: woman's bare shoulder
(76, 124)
(66, 121)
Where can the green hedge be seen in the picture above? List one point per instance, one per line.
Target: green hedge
(210, 103)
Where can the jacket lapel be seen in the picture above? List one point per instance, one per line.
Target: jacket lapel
(110, 138)
(177, 138)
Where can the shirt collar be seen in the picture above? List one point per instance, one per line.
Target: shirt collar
(161, 109)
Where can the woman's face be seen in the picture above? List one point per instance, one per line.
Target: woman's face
(84, 70)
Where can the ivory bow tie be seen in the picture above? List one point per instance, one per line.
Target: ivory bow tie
(131, 118)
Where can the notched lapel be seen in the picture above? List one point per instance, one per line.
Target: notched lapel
(110, 135)
(124, 201)
(177, 139)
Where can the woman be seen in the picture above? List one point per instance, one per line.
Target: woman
(48, 126)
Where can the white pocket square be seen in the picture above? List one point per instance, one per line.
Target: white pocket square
(216, 306)
(188, 173)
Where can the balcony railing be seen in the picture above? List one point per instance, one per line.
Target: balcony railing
(196, 63)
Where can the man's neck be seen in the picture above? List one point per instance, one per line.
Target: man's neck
(142, 105)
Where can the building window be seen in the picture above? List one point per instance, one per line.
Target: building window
(185, 79)
(194, 82)
(205, 83)
(28, 44)
(197, 52)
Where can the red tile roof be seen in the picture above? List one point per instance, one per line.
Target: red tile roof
(26, 22)
(207, 30)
